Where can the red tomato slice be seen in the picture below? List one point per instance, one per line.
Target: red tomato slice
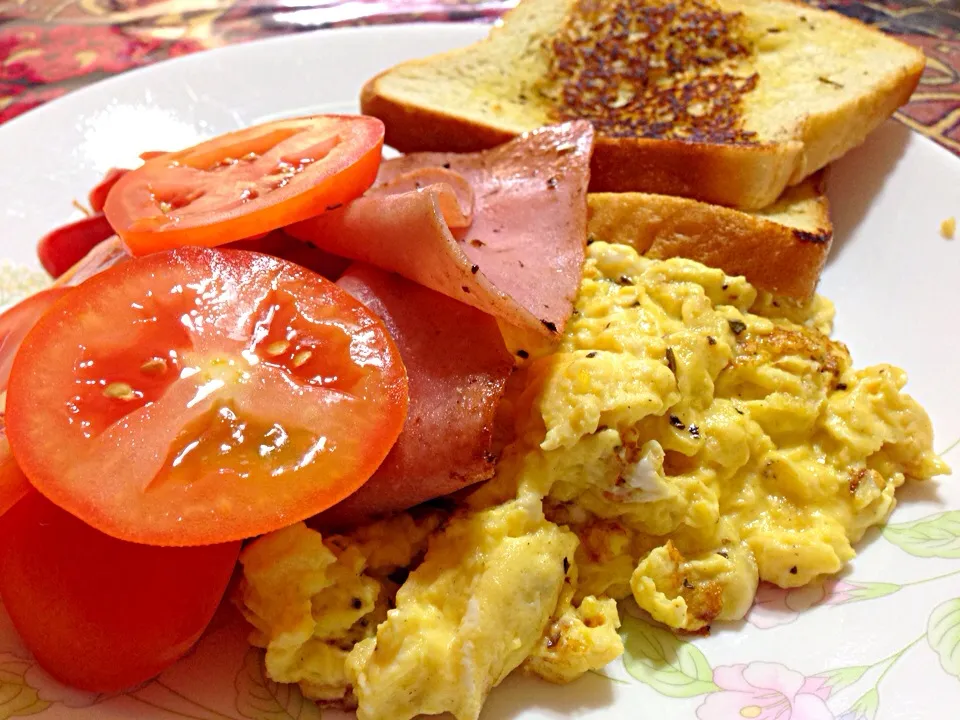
(200, 396)
(98, 196)
(108, 253)
(62, 248)
(13, 483)
(16, 322)
(245, 183)
(101, 614)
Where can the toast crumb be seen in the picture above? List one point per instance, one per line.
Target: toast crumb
(653, 68)
(948, 227)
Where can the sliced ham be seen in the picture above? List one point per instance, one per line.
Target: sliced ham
(456, 197)
(521, 257)
(281, 245)
(457, 367)
(406, 234)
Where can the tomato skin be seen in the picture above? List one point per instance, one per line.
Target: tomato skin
(101, 614)
(17, 321)
(62, 248)
(275, 396)
(98, 196)
(107, 254)
(13, 483)
(245, 183)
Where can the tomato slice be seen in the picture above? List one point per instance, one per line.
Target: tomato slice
(62, 248)
(200, 396)
(245, 183)
(108, 253)
(13, 483)
(98, 196)
(15, 323)
(101, 614)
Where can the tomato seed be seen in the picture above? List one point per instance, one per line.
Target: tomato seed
(119, 391)
(154, 366)
(277, 348)
(301, 357)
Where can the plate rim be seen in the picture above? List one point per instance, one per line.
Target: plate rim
(468, 31)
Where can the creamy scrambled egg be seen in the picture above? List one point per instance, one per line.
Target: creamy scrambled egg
(690, 438)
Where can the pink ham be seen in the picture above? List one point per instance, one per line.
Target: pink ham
(281, 245)
(521, 258)
(457, 366)
(456, 197)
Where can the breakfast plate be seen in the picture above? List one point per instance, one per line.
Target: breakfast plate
(881, 641)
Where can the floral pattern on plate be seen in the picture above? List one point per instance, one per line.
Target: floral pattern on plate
(883, 637)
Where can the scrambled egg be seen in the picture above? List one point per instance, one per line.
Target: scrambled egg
(690, 438)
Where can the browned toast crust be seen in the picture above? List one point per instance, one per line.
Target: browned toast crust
(669, 167)
(411, 128)
(774, 257)
(705, 157)
(691, 169)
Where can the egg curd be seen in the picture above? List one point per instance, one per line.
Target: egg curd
(689, 438)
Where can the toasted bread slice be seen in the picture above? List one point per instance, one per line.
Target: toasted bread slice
(726, 101)
(781, 249)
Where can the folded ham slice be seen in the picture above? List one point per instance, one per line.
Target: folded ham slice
(521, 257)
(281, 245)
(457, 366)
(456, 199)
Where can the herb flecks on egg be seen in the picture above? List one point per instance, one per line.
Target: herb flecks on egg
(688, 439)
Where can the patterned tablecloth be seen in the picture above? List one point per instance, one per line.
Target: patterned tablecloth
(50, 47)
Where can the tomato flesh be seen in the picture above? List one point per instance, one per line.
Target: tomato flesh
(13, 483)
(245, 183)
(200, 396)
(98, 613)
(15, 323)
(98, 196)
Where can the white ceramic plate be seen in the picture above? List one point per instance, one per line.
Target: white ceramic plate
(883, 641)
